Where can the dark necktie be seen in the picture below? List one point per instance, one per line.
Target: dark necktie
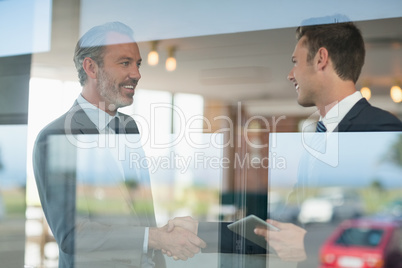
(321, 127)
(115, 125)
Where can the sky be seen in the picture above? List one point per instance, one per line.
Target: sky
(13, 155)
(361, 159)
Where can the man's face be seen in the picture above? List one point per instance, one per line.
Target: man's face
(302, 76)
(119, 75)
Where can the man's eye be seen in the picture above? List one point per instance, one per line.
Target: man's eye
(126, 63)
(139, 64)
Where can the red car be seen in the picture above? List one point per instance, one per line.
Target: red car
(363, 243)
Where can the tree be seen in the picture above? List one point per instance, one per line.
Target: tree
(377, 186)
(395, 152)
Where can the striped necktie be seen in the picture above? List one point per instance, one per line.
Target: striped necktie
(321, 127)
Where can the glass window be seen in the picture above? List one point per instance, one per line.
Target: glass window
(360, 237)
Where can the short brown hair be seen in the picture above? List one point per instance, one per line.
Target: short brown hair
(344, 43)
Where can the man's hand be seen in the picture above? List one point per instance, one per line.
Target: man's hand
(288, 242)
(180, 243)
(185, 222)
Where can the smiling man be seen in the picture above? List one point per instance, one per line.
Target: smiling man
(108, 61)
(327, 61)
(114, 74)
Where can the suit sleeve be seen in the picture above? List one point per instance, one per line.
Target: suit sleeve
(80, 237)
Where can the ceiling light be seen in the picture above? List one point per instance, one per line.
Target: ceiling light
(153, 56)
(171, 61)
(396, 94)
(366, 92)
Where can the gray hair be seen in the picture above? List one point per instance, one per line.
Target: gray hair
(93, 43)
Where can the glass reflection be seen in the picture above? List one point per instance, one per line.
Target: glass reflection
(12, 194)
(321, 195)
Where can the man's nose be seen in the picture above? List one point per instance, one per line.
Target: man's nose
(135, 73)
(290, 76)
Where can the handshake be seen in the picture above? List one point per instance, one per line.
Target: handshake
(177, 239)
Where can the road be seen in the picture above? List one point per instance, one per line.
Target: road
(318, 234)
(12, 242)
(12, 245)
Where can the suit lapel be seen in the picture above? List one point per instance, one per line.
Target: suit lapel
(130, 127)
(81, 124)
(79, 121)
(346, 122)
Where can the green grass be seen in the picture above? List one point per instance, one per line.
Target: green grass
(374, 200)
(110, 206)
(14, 202)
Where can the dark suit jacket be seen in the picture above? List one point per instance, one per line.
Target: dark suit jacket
(364, 117)
(84, 241)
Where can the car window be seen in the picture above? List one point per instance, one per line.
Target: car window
(360, 237)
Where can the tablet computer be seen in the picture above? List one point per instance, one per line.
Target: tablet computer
(245, 227)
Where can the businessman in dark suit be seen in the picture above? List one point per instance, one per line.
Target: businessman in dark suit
(108, 61)
(327, 62)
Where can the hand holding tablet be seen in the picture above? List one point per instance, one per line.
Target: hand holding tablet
(252, 221)
(245, 227)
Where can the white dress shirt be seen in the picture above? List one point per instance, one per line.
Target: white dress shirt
(101, 119)
(335, 115)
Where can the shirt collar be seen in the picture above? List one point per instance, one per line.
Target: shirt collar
(99, 117)
(335, 115)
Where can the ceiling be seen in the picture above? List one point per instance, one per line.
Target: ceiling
(250, 67)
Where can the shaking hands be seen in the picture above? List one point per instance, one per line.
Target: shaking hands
(177, 239)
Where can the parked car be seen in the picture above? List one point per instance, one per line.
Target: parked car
(363, 243)
(330, 204)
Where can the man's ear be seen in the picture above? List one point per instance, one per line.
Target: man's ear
(90, 67)
(322, 58)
